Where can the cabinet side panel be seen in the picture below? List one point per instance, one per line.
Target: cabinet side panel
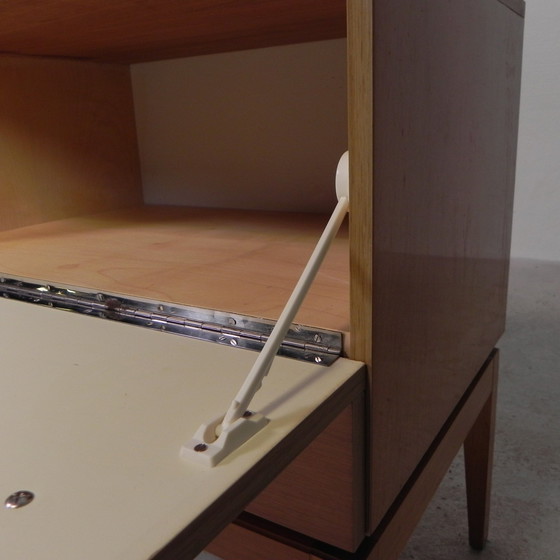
(67, 140)
(445, 86)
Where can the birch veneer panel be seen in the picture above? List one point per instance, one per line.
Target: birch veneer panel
(432, 120)
(237, 261)
(325, 503)
(471, 424)
(433, 115)
(67, 140)
(242, 544)
(94, 414)
(134, 31)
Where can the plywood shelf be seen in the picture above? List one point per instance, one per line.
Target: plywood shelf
(129, 31)
(238, 261)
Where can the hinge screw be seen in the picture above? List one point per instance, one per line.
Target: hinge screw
(19, 499)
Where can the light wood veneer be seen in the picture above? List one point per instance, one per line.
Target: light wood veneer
(231, 260)
(67, 140)
(127, 31)
(433, 115)
(433, 97)
(325, 503)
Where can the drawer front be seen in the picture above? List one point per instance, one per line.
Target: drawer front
(321, 493)
(238, 543)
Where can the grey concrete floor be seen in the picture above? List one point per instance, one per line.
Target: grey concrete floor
(525, 520)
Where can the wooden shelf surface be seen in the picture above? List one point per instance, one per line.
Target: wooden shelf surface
(130, 31)
(238, 261)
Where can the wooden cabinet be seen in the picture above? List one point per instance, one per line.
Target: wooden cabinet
(416, 283)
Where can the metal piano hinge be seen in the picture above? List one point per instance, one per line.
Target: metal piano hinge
(302, 343)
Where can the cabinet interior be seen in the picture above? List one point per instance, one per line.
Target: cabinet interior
(204, 181)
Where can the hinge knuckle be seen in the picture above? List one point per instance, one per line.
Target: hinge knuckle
(316, 345)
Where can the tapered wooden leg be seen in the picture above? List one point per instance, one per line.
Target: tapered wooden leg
(479, 447)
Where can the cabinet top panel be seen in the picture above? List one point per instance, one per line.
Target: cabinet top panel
(129, 31)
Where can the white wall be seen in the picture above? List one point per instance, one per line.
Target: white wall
(536, 224)
(259, 129)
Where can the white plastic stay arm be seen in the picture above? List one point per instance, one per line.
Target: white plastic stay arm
(217, 439)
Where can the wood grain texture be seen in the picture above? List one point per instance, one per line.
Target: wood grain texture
(444, 96)
(237, 543)
(67, 140)
(325, 503)
(360, 147)
(140, 30)
(479, 450)
(396, 530)
(238, 261)
(433, 98)
(393, 532)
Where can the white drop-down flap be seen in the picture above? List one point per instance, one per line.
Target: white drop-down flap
(93, 412)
